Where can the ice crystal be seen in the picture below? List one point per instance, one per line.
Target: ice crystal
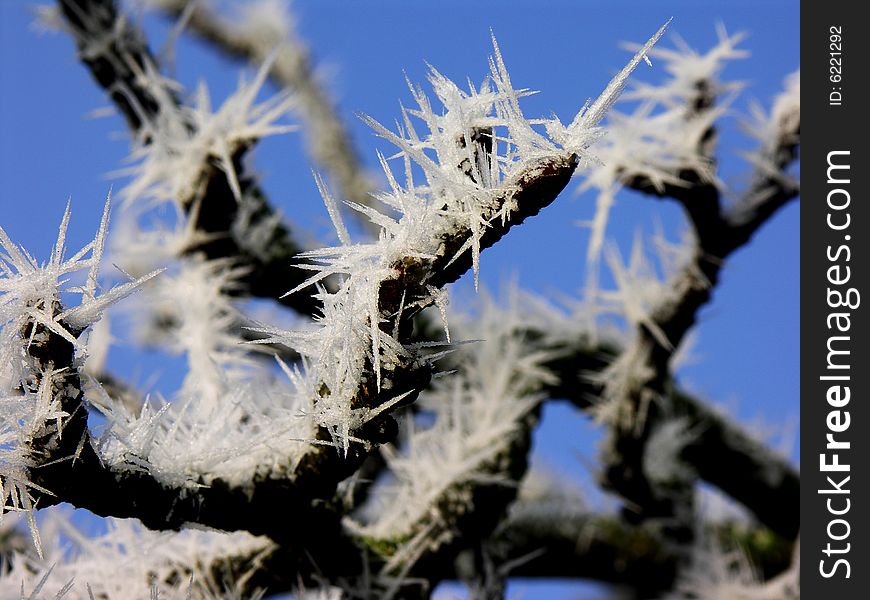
(141, 242)
(470, 154)
(179, 145)
(640, 285)
(641, 281)
(257, 430)
(691, 70)
(231, 419)
(780, 127)
(664, 137)
(479, 412)
(720, 573)
(30, 292)
(30, 297)
(129, 561)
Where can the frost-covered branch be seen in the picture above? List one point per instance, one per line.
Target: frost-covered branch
(533, 542)
(757, 477)
(224, 202)
(637, 394)
(43, 423)
(539, 544)
(271, 462)
(724, 569)
(464, 464)
(570, 361)
(444, 227)
(666, 146)
(49, 455)
(486, 169)
(352, 405)
(130, 561)
(116, 54)
(72, 471)
(469, 200)
(771, 186)
(454, 479)
(266, 27)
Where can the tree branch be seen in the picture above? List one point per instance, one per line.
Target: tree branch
(119, 59)
(66, 463)
(601, 548)
(328, 140)
(764, 482)
(719, 233)
(86, 482)
(408, 291)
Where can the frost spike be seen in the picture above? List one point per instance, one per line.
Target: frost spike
(97, 254)
(332, 209)
(599, 108)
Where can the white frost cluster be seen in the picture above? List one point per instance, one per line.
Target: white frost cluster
(232, 418)
(179, 145)
(259, 429)
(716, 573)
(776, 128)
(30, 297)
(30, 292)
(639, 284)
(464, 190)
(664, 133)
(478, 413)
(128, 561)
(235, 421)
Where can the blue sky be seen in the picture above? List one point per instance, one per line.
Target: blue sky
(747, 346)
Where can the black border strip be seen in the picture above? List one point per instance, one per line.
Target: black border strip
(835, 261)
